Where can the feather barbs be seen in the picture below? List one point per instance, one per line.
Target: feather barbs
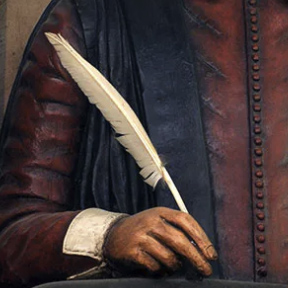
(117, 112)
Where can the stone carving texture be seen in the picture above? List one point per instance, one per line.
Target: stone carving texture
(17, 20)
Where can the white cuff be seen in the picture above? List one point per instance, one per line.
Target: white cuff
(86, 234)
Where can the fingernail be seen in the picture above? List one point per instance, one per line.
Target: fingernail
(212, 254)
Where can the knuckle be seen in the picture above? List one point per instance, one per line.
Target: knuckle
(141, 238)
(169, 258)
(154, 267)
(135, 254)
(180, 240)
(186, 217)
(179, 216)
(158, 228)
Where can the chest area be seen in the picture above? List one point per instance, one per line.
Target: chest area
(241, 60)
(241, 54)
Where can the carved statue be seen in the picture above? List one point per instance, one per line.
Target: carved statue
(208, 81)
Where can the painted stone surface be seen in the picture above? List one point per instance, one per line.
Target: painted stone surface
(17, 19)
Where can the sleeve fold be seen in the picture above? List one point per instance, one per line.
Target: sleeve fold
(40, 146)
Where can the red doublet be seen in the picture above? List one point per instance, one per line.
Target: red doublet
(39, 158)
(242, 60)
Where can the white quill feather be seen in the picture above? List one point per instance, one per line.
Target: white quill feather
(116, 111)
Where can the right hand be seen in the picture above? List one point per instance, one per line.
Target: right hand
(158, 240)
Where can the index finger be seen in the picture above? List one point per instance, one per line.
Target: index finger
(192, 228)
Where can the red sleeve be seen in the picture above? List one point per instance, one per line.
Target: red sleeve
(38, 160)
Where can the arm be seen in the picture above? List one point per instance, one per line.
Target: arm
(39, 153)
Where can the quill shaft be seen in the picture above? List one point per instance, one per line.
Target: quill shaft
(174, 191)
